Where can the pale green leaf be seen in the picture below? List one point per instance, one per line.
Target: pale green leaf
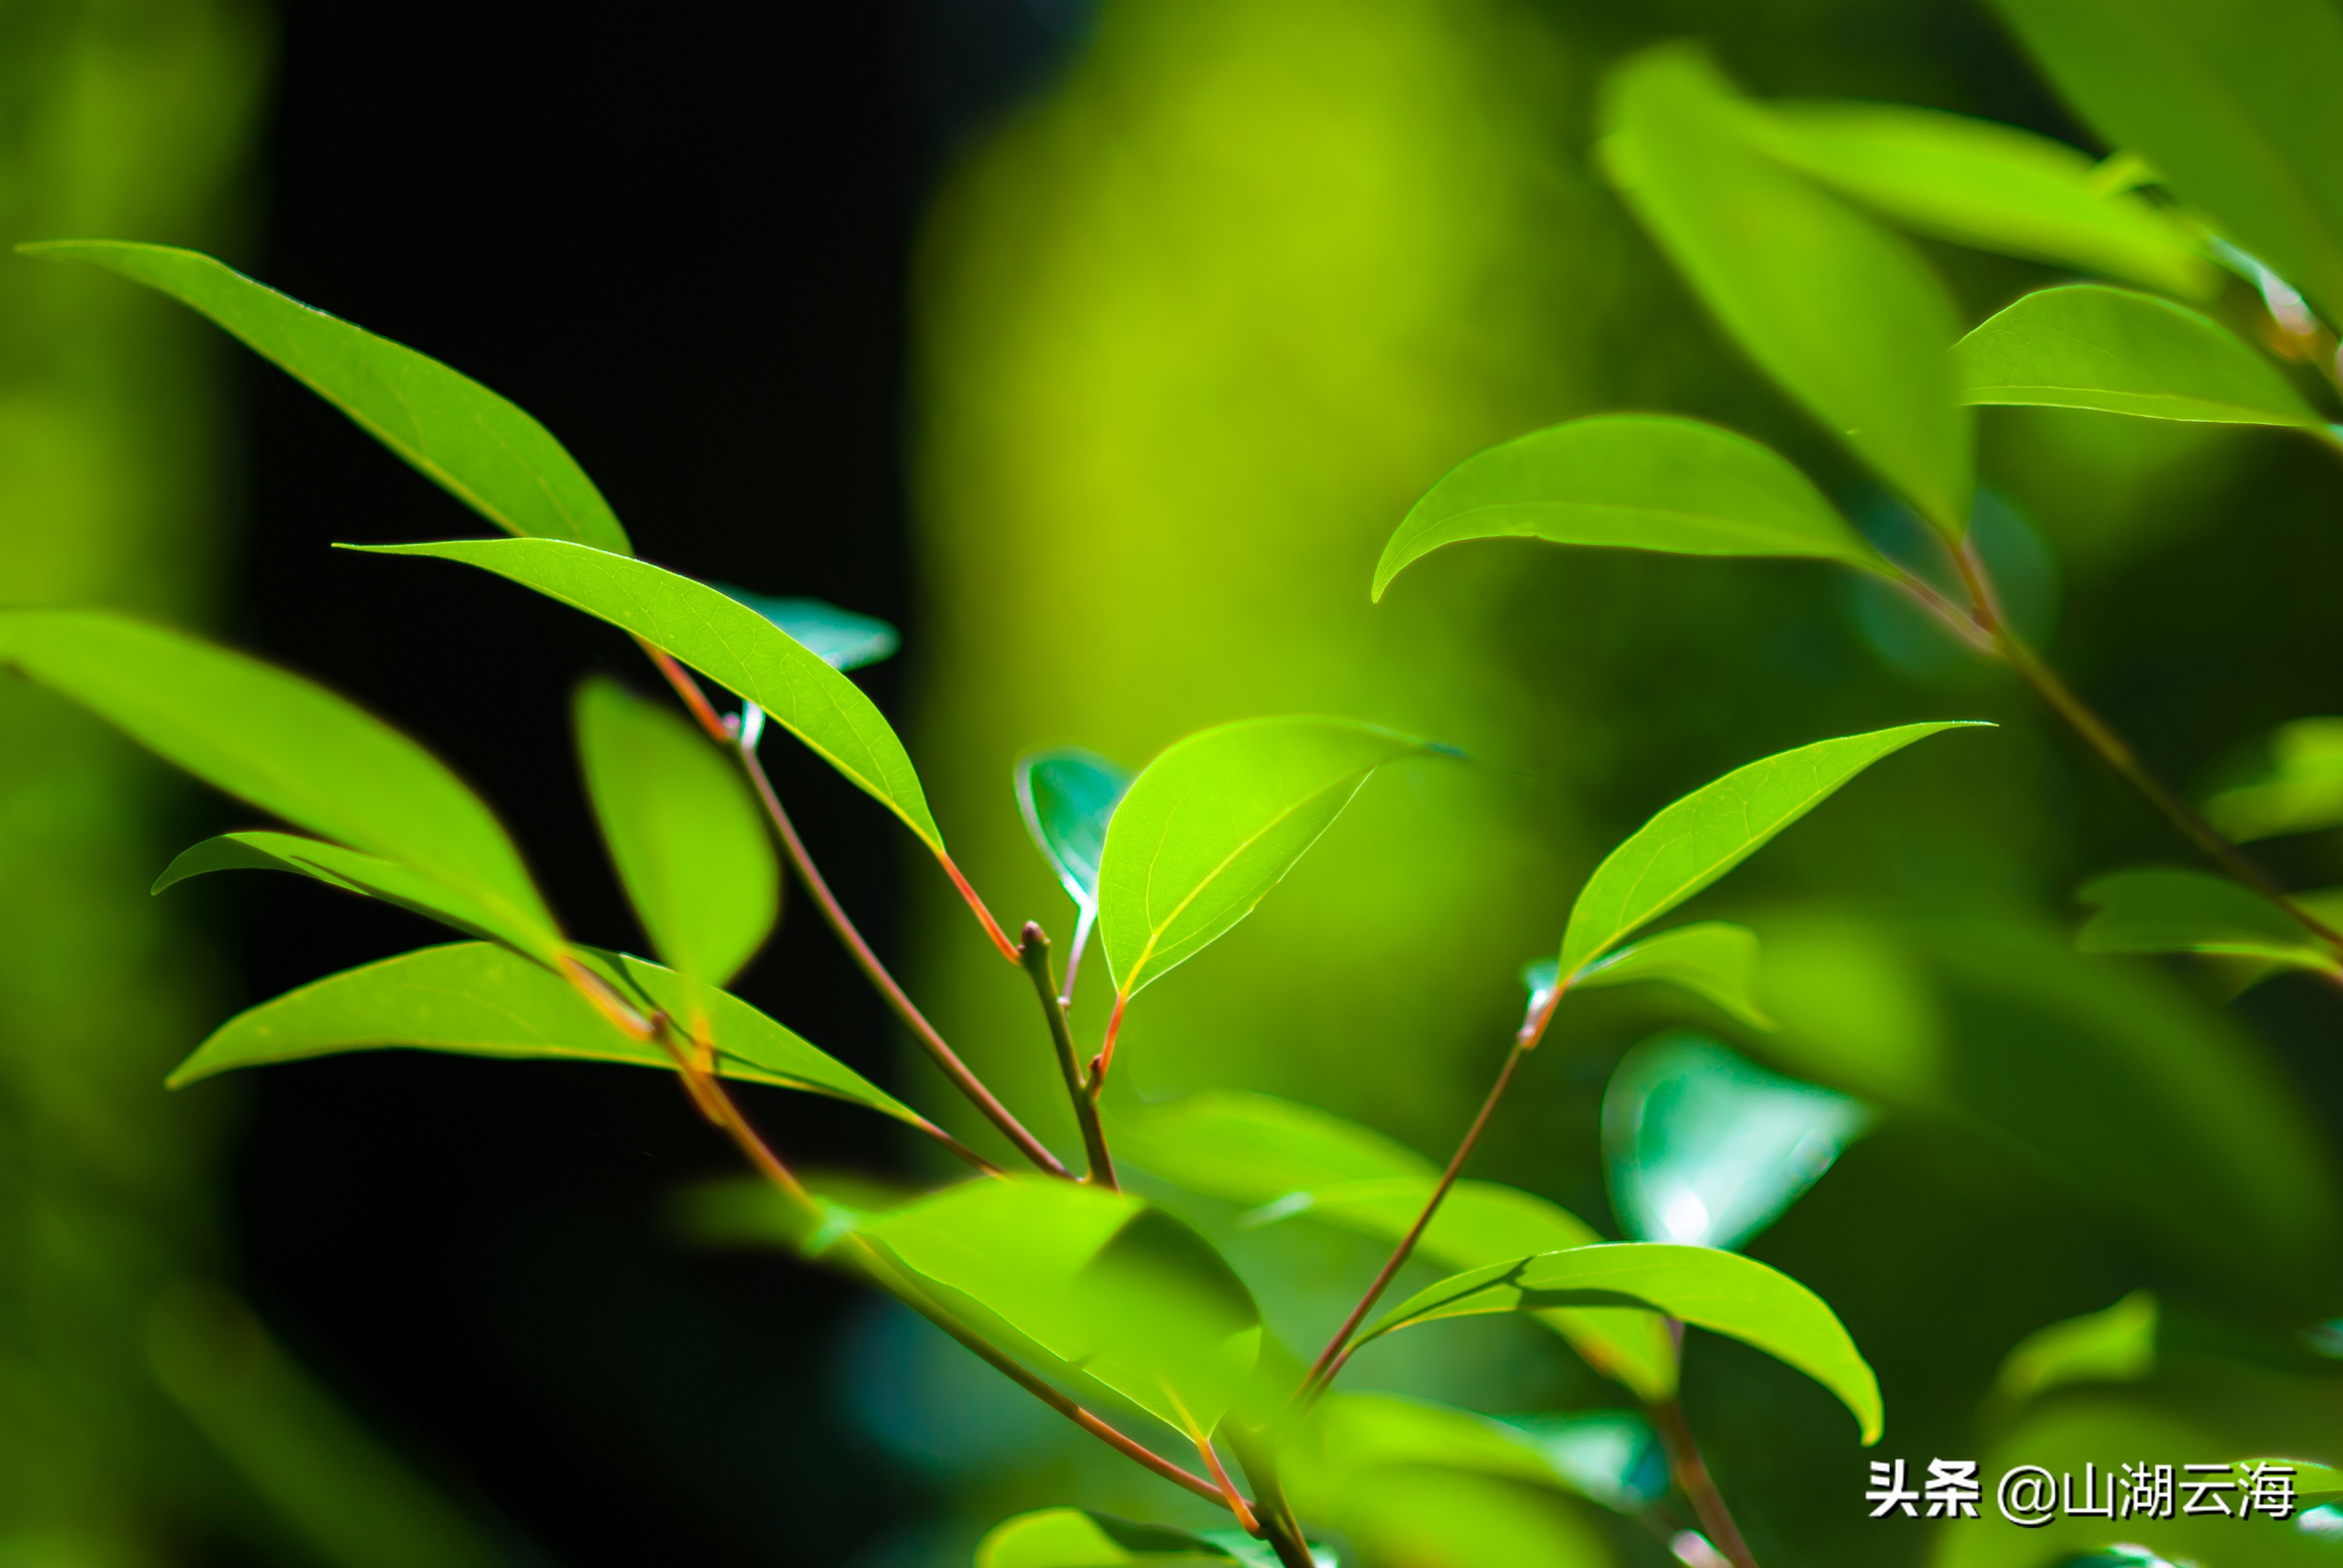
(2234, 102)
(2114, 1345)
(1720, 1291)
(2161, 911)
(839, 637)
(689, 840)
(1713, 960)
(1704, 1148)
(1691, 843)
(1987, 184)
(2086, 346)
(483, 450)
(1066, 797)
(2300, 791)
(1218, 820)
(1841, 312)
(723, 639)
(476, 999)
(353, 872)
(1079, 1538)
(287, 745)
(1634, 481)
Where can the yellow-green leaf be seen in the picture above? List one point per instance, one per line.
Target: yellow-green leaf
(1713, 960)
(2301, 790)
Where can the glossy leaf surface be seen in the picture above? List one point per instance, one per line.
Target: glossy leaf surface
(475, 444)
(354, 872)
(284, 745)
(1987, 184)
(1706, 1149)
(2163, 910)
(1613, 1456)
(1723, 1291)
(1633, 481)
(1066, 797)
(2233, 101)
(2086, 346)
(476, 999)
(1713, 960)
(2114, 1345)
(1843, 314)
(840, 638)
(689, 842)
(2300, 791)
(726, 641)
(1713, 829)
(1218, 820)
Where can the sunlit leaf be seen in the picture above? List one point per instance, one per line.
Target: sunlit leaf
(476, 999)
(1841, 312)
(1635, 481)
(1713, 960)
(1255, 1148)
(2086, 346)
(1218, 820)
(284, 745)
(353, 872)
(1691, 843)
(1356, 1434)
(1441, 1518)
(1066, 797)
(1613, 1456)
(476, 445)
(1704, 1148)
(2160, 911)
(839, 637)
(2232, 100)
(1094, 1278)
(723, 639)
(2301, 790)
(1720, 1291)
(689, 843)
(1987, 184)
(2116, 1345)
(1079, 1538)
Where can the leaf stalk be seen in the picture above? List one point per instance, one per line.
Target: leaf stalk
(1692, 1475)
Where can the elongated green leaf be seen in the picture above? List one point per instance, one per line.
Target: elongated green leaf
(1713, 829)
(1715, 1290)
(1256, 1148)
(723, 639)
(1095, 1279)
(1066, 797)
(475, 998)
(1079, 1538)
(1635, 481)
(1215, 822)
(356, 873)
(1356, 1434)
(2161, 911)
(2301, 790)
(2116, 1344)
(689, 842)
(838, 637)
(471, 443)
(284, 745)
(1713, 960)
(1838, 310)
(1704, 1148)
(2087, 346)
(2233, 101)
(1985, 185)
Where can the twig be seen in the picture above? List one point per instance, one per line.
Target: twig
(1692, 1475)
(1034, 951)
(1277, 1524)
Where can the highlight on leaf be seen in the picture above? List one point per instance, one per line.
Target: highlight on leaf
(1713, 960)
(840, 638)
(480, 449)
(2159, 910)
(2299, 791)
(1632, 481)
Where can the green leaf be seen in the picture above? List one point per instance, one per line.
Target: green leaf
(2086, 346)
(1842, 313)
(689, 843)
(1635, 481)
(1713, 960)
(1079, 1538)
(838, 637)
(1218, 820)
(2233, 101)
(1356, 1434)
(1704, 1148)
(2301, 790)
(1613, 1456)
(723, 639)
(1066, 797)
(1253, 1148)
(2160, 910)
(356, 872)
(1094, 1279)
(1990, 185)
(1725, 1292)
(475, 998)
(1691, 843)
(471, 443)
(2114, 1345)
(287, 746)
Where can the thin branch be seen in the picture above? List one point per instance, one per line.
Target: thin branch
(1230, 1496)
(1277, 1525)
(1692, 1475)
(1034, 951)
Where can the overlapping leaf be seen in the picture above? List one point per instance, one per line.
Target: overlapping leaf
(840, 638)
(2164, 910)
(1079, 1538)
(1066, 797)
(1713, 960)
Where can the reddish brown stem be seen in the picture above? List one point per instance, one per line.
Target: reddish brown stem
(976, 906)
(1230, 1497)
(1034, 951)
(1692, 1475)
